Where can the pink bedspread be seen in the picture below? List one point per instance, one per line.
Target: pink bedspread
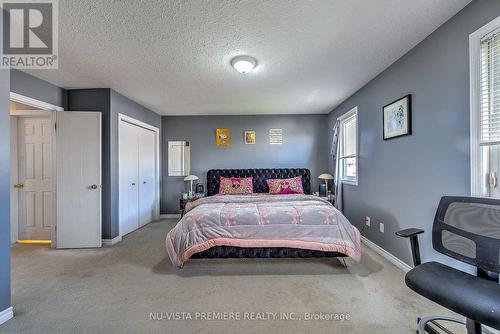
(296, 221)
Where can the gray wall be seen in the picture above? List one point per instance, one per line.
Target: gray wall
(110, 103)
(401, 180)
(304, 145)
(4, 191)
(28, 85)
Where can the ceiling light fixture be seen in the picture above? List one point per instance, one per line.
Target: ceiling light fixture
(244, 64)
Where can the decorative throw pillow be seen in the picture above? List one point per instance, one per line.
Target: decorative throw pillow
(235, 185)
(286, 186)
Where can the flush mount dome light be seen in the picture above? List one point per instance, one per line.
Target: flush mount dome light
(244, 64)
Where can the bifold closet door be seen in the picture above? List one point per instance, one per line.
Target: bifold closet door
(129, 177)
(147, 143)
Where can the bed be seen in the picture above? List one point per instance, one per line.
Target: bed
(261, 225)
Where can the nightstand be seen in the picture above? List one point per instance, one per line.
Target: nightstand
(330, 198)
(183, 202)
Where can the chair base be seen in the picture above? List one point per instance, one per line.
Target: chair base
(424, 325)
(425, 328)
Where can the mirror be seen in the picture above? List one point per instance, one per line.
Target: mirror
(179, 158)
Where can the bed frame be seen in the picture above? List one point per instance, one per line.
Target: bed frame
(260, 186)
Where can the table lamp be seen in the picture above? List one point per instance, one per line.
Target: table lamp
(191, 178)
(326, 177)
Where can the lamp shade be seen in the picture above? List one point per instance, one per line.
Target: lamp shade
(325, 176)
(191, 178)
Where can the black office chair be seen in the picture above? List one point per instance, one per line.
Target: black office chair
(466, 229)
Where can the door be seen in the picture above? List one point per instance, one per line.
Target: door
(78, 144)
(128, 177)
(147, 143)
(35, 178)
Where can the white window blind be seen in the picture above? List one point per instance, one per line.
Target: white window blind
(349, 134)
(348, 144)
(484, 51)
(490, 90)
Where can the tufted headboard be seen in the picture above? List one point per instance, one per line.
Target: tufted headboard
(259, 177)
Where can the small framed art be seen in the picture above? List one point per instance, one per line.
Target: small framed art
(222, 137)
(397, 118)
(249, 137)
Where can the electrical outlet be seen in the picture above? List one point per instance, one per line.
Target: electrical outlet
(367, 221)
(382, 227)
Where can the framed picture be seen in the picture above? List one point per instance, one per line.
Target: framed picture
(249, 137)
(222, 137)
(397, 118)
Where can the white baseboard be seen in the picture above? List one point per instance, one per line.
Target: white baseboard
(170, 216)
(111, 242)
(6, 315)
(385, 254)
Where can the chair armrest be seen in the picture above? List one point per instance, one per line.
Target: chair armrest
(409, 232)
(412, 233)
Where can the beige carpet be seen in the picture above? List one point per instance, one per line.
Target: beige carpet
(115, 289)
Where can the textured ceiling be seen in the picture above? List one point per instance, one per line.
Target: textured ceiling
(174, 56)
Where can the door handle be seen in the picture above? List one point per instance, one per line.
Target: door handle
(133, 183)
(93, 187)
(144, 182)
(493, 179)
(19, 186)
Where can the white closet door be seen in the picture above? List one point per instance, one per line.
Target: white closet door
(129, 177)
(147, 143)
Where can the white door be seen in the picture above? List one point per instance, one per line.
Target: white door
(78, 144)
(128, 177)
(147, 143)
(35, 177)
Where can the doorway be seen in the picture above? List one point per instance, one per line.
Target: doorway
(138, 146)
(33, 206)
(55, 175)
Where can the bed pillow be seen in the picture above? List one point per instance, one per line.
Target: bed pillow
(285, 186)
(235, 185)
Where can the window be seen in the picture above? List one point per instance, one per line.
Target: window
(348, 144)
(485, 109)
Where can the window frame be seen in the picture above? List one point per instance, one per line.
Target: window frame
(477, 180)
(342, 120)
